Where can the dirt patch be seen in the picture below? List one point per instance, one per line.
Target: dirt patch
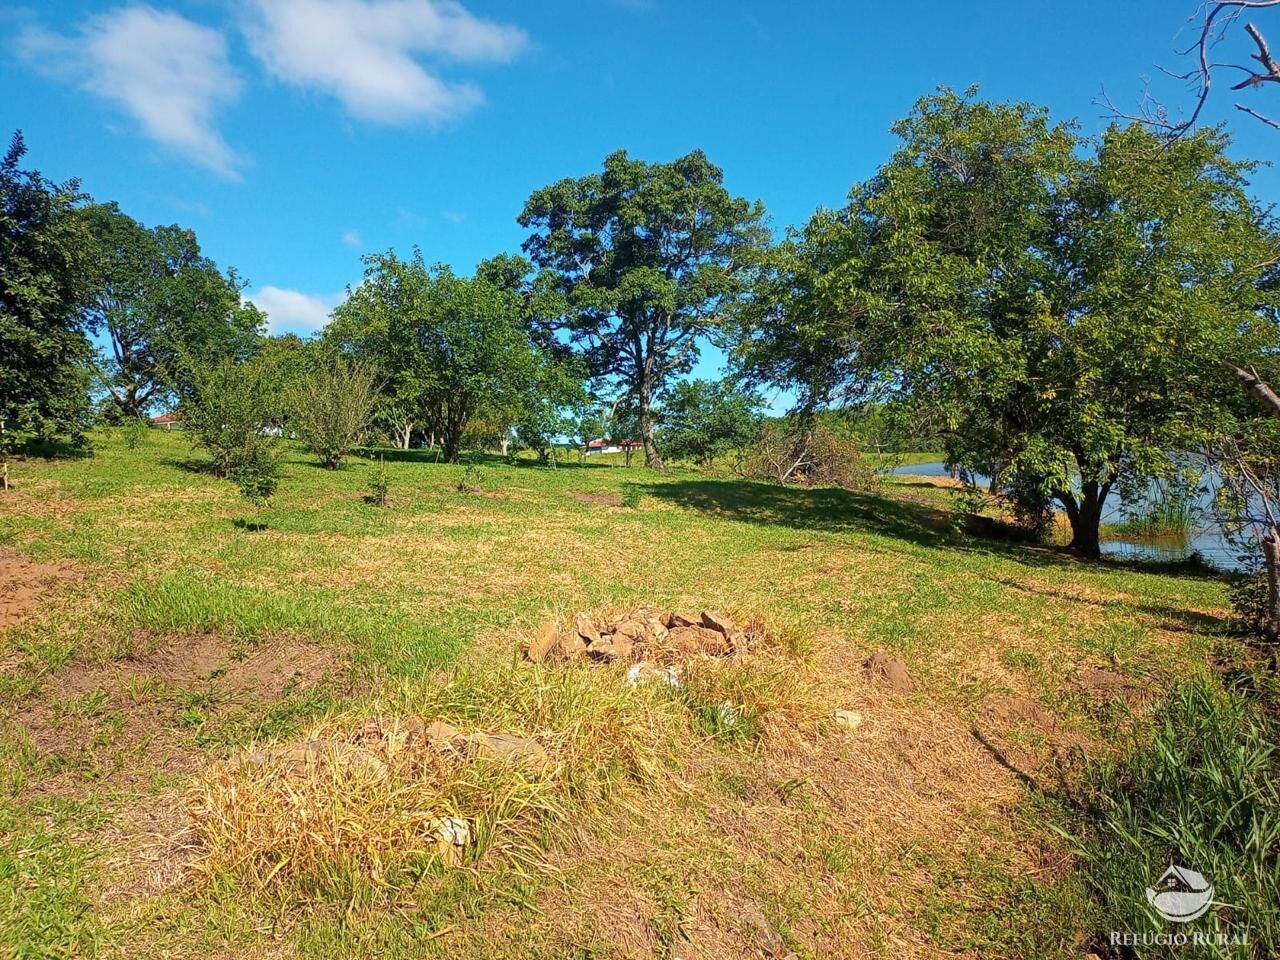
(125, 721)
(1103, 686)
(598, 499)
(889, 671)
(24, 584)
(1022, 735)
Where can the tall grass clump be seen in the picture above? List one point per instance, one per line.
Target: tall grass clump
(1202, 793)
(361, 822)
(1170, 513)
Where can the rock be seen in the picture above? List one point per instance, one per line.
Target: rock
(307, 756)
(440, 734)
(571, 646)
(451, 834)
(651, 671)
(890, 671)
(713, 620)
(738, 640)
(630, 629)
(675, 620)
(613, 648)
(586, 629)
(770, 940)
(848, 719)
(510, 748)
(713, 642)
(543, 642)
(685, 639)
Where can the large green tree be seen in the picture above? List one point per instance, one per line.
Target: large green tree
(452, 348)
(43, 349)
(702, 420)
(1063, 307)
(164, 307)
(647, 259)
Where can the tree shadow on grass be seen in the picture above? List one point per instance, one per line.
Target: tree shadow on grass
(836, 510)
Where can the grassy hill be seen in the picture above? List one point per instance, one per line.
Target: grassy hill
(154, 648)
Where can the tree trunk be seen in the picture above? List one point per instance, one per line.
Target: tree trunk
(505, 444)
(1271, 553)
(1085, 516)
(651, 456)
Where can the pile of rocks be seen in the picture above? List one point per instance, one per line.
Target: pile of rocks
(643, 634)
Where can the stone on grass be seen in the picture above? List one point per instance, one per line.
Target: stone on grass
(543, 642)
(510, 748)
(848, 719)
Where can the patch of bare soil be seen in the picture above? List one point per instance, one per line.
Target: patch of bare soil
(1024, 737)
(1103, 686)
(24, 583)
(123, 722)
(598, 499)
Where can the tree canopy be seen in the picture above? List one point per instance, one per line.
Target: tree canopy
(645, 260)
(454, 348)
(1064, 305)
(164, 307)
(43, 277)
(702, 420)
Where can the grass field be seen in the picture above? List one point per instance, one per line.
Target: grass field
(156, 644)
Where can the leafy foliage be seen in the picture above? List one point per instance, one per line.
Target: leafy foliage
(453, 348)
(228, 413)
(703, 421)
(645, 260)
(1062, 306)
(332, 406)
(164, 306)
(42, 285)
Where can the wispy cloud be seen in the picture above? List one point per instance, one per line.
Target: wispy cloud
(168, 73)
(369, 53)
(352, 238)
(291, 311)
(456, 217)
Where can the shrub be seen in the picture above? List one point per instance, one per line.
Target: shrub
(133, 433)
(788, 453)
(228, 412)
(1203, 793)
(379, 485)
(332, 407)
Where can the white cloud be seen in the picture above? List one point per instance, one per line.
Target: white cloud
(368, 53)
(352, 238)
(168, 73)
(291, 311)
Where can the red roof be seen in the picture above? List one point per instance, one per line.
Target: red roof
(167, 418)
(613, 443)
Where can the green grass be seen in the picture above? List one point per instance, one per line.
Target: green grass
(1203, 791)
(443, 584)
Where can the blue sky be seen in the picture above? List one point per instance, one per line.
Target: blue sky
(295, 135)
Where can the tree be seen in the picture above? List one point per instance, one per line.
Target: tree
(227, 411)
(1063, 307)
(646, 260)
(332, 406)
(454, 348)
(702, 421)
(552, 406)
(43, 349)
(164, 306)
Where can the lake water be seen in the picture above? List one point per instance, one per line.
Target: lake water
(1206, 537)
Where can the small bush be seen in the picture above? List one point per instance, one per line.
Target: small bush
(379, 485)
(228, 414)
(819, 455)
(332, 408)
(1202, 793)
(133, 432)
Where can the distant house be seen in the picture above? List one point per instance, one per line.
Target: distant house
(605, 445)
(167, 421)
